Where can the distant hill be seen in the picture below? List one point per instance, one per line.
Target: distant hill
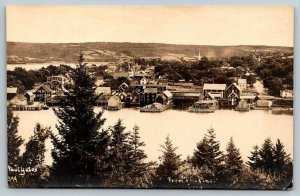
(19, 52)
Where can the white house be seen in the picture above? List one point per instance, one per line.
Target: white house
(214, 89)
(242, 83)
(286, 94)
(144, 81)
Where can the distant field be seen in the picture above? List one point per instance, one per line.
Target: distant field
(18, 52)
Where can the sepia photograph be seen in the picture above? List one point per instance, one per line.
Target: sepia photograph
(150, 97)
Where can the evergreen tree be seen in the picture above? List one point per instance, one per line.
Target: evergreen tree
(120, 157)
(283, 167)
(281, 159)
(169, 168)
(233, 163)
(267, 157)
(126, 159)
(80, 148)
(254, 160)
(14, 142)
(209, 159)
(139, 171)
(33, 158)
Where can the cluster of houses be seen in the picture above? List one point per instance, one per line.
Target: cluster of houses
(143, 92)
(236, 96)
(139, 93)
(132, 71)
(52, 92)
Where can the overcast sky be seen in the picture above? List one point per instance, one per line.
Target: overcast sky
(180, 25)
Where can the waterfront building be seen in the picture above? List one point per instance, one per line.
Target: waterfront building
(263, 104)
(165, 98)
(18, 101)
(42, 93)
(250, 98)
(212, 96)
(217, 90)
(114, 103)
(148, 96)
(184, 100)
(232, 94)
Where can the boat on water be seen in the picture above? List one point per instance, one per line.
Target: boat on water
(204, 106)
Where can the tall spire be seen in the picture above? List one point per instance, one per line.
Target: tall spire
(199, 56)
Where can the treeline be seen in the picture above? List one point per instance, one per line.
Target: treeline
(86, 155)
(269, 167)
(206, 70)
(277, 74)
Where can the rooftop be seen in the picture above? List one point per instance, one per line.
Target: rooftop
(168, 93)
(12, 90)
(242, 81)
(214, 86)
(237, 86)
(47, 88)
(103, 88)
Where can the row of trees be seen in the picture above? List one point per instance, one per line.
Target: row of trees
(269, 167)
(84, 154)
(122, 163)
(208, 70)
